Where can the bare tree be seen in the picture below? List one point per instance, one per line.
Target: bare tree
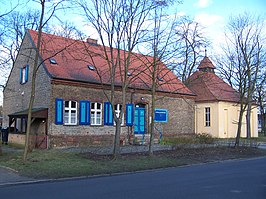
(67, 30)
(42, 22)
(15, 26)
(243, 54)
(3, 14)
(226, 68)
(161, 43)
(261, 99)
(120, 27)
(190, 41)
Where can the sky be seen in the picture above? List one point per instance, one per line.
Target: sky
(211, 14)
(215, 14)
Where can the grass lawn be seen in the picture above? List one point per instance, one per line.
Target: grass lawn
(57, 164)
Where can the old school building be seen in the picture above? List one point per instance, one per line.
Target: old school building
(72, 93)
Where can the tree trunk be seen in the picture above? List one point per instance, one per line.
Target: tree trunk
(32, 96)
(27, 137)
(263, 123)
(239, 126)
(152, 123)
(116, 150)
(248, 120)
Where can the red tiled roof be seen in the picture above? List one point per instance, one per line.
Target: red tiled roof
(206, 63)
(209, 87)
(74, 56)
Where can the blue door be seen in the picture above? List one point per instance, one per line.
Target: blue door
(139, 120)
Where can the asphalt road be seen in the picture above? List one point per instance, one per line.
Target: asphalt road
(230, 179)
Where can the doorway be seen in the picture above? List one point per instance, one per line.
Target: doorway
(139, 119)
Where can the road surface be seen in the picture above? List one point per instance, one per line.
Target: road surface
(243, 179)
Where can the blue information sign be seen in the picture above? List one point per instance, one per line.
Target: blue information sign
(160, 115)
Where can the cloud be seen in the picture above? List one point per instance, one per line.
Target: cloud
(214, 29)
(207, 19)
(203, 3)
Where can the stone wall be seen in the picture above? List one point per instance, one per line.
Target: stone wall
(16, 95)
(16, 98)
(181, 115)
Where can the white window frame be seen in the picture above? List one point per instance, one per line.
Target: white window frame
(118, 110)
(68, 113)
(23, 80)
(207, 116)
(96, 114)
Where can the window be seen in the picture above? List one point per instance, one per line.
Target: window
(91, 67)
(24, 73)
(52, 61)
(70, 114)
(96, 113)
(160, 79)
(118, 110)
(207, 116)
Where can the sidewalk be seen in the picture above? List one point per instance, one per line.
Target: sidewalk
(9, 177)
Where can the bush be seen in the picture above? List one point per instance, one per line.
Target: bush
(192, 139)
(204, 138)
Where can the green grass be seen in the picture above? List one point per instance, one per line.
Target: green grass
(57, 164)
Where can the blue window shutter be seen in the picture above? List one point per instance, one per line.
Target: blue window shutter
(129, 114)
(84, 112)
(26, 73)
(59, 106)
(105, 121)
(108, 114)
(20, 75)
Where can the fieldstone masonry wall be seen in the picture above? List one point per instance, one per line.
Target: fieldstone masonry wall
(181, 116)
(16, 95)
(16, 98)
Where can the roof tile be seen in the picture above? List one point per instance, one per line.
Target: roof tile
(209, 87)
(74, 56)
(206, 63)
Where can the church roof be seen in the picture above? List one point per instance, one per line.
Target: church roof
(209, 87)
(206, 63)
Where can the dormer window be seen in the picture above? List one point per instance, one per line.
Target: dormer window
(52, 61)
(160, 79)
(91, 67)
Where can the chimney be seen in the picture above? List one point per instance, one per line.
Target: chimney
(92, 42)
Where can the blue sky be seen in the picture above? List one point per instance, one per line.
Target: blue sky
(212, 14)
(223, 7)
